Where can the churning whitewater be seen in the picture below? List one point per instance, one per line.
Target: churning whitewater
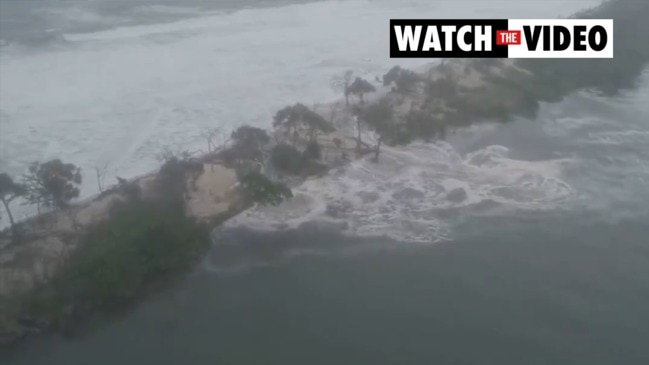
(401, 197)
(584, 157)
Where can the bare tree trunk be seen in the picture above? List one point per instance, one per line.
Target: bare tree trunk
(294, 136)
(98, 179)
(333, 113)
(358, 139)
(98, 173)
(11, 218)
(101, 175)
(378, 150)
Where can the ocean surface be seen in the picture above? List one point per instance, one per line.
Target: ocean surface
(110, 84)
(545, 261)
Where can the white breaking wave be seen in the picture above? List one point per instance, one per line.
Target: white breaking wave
(404, 196)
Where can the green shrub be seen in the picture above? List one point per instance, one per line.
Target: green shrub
(172, 178)
(313, 151)
(248, 144)
(287, 159)
(141, 243)
(259, 189)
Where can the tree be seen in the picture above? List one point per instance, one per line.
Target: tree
(442, 88)
(250, 137)
(407, 81)
(338, 143)
(341, 83)
(391, 76)
(100, 172)
(313, 151)
(404, 80)
(356, 113)
(172, 178)
(421, 123)
(216, 139)
(286, 158)
(249, 142)
(381, 117)
(361, 87)
(168, 154)
(333, 112)
(291, 118)
(288, 119)
(9, 190)
(52, 184)
(316, 124)
(259, 189)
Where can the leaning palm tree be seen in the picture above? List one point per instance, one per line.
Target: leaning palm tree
(10, 190)
(361, 87)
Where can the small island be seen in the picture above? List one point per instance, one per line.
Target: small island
(77, 263)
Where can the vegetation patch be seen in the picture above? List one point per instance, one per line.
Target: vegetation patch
(289, 160)
(142, 243)
(117, 261)
(260, 189)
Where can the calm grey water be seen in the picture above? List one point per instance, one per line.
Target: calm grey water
(535, 290)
